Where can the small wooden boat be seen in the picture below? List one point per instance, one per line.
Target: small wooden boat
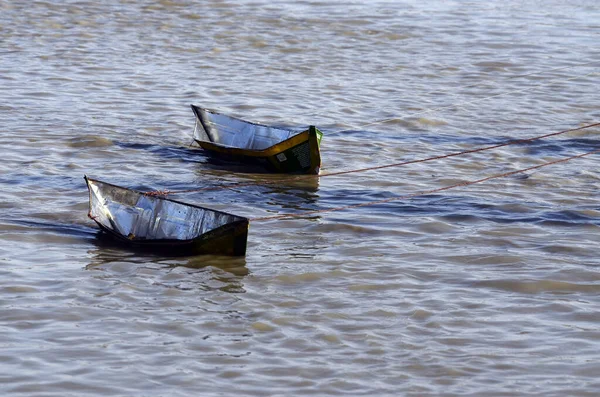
(163, 225)
(276, 149)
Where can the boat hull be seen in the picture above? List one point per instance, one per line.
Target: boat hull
(297, 154)
(161, 225)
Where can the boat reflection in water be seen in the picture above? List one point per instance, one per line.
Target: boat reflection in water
(114, 263)
(162, 225)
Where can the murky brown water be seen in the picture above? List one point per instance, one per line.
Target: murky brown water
(491, 289)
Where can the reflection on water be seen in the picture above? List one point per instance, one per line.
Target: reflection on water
(109, 250)
(46, 227)
(300, 195)
(248, 194)
(163, 152)
(204, 272)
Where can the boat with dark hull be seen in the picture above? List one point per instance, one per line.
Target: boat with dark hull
(276, 149)
(162, 225)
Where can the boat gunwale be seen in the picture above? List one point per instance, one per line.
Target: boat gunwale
(279, 147)
(241, 218)
(269, 151)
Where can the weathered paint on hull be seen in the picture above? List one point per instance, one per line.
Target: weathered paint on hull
(300, 154)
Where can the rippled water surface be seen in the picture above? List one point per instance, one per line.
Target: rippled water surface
(488, 289)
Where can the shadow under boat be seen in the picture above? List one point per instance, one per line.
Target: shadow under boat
(164, 226)
(271, 148)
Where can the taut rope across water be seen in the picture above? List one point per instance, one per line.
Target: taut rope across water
(379, 167)
(422, 193)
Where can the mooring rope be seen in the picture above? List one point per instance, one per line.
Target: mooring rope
(379, 167)
(421, 193)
